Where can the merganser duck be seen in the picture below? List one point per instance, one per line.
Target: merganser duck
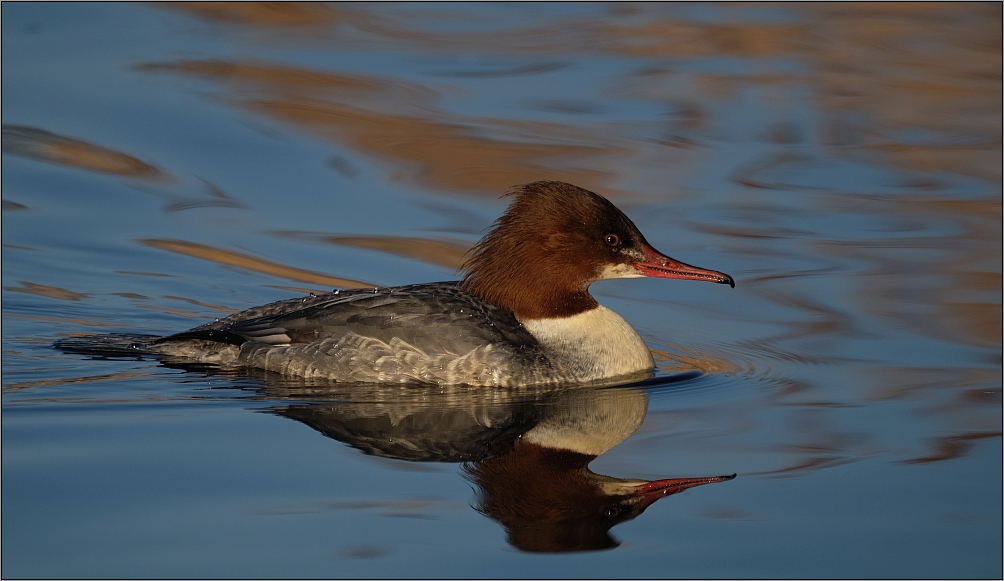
(521, 315)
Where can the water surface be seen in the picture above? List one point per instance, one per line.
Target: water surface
(165, 165)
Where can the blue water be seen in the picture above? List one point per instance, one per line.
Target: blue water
(841, 162)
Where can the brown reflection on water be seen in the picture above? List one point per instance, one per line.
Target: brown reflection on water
(910, 84)
(219, 308)
(283, 14)
(45, 146)
(46, 291)
(442, 252)
(446, 253)
(446, 150)
(396, 120)
(671, 37)
(889, 83)
(252, 263)
(70, 380)
(931, 69)
(877, 68)
(183, 313)
(677, 359)
(950, 447)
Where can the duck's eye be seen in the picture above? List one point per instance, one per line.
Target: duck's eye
(613, 511)
(612, 240)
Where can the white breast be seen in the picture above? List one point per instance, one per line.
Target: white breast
(592, 345)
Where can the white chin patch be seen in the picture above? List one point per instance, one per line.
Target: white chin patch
(619, 271)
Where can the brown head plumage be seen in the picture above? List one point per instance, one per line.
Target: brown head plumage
(553, 241)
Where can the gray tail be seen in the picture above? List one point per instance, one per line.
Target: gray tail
(111, 345)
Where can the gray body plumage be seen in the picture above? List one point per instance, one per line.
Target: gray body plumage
(425, 333)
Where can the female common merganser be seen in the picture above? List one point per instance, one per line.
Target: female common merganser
(521, 315)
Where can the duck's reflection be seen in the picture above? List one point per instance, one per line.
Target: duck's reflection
(527, 452)
(548, 500)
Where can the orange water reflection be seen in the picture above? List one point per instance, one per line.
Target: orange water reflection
(45, 146)
(252, 263)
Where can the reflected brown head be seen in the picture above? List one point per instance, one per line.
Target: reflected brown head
(549, 501)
